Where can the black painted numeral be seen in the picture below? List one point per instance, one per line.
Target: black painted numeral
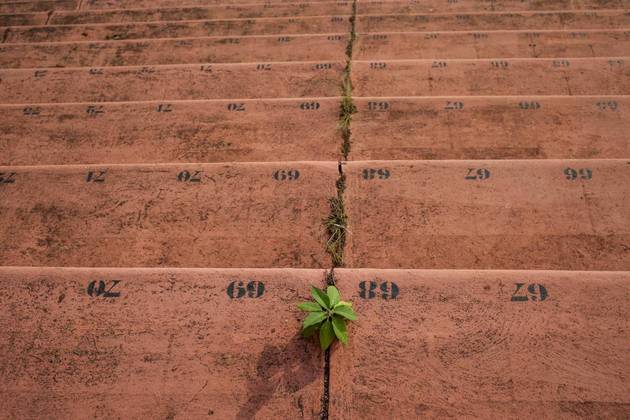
(236, 107)
(573, 174)
(40, 73)
(263, 67)
(286, 175)
(533, 292)
(323, 66)
(500, 64)
(561, 63)
(439, 65)
(31, 111)
(378, 106)
(375, 173)
(529, 105)
(334, 37)
(95, 71)
(165, 108)
(206, 68)
(477, 174)
(253, 289)
(7, 177)
(378, 65)
(454, 105)
(309, 106)
(100, 288)
(96, 176)
(607, 105)
(95, 110)
(370, 289)
(186, 176)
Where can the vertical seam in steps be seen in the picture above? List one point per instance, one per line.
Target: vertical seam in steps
(337, 221)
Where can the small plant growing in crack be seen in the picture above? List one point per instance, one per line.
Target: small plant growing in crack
(328, 315)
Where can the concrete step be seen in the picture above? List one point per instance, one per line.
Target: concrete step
(499, 77)
(177, 215)
(182, 131)
(270, 48)
(508, 127)
(475, 344)
(173, 82)
(157, 343)
(568, 20)
(177, 29)
(493, 44)
(516, 214)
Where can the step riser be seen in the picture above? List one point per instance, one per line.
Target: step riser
(493, 77)
(188, 215)
(491, 128)
(152, 52)
(178, 30)
(203, 81)
(457, 345)
(555, 215)
(172, 342)
(172, 132)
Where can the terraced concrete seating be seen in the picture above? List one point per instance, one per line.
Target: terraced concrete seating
(574, 76)
(173, 82)
(498, 344)
(37, 6)
(153, 132)
(518, 214)
(175, 51)
(493, 44)
(132, 4)
(156, 343)
(177, 215)
(370, 7)
(491, 127)
(578, 20)
(198, 13)
(177, 29)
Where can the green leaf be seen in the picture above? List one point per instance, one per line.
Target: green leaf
(310, 307)
(308, 332)
(314, 318)
(339, 326)
(333, 295)
(344, 303)
(346, 312)
(320, 297)
(326, 335)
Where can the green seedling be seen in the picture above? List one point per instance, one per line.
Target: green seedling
(329, 315)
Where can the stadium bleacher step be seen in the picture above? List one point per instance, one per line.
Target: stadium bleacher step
(175, 131)
(171, 82)
(84, 343)
(475, 344)
(489, 214)
(175, 215)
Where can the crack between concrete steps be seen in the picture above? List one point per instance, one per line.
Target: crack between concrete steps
(337, 221)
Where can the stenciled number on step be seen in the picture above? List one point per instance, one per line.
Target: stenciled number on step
(185, 176)
(32, 111)
(477, 174)
(323, 66)
(7, 177)
(95, 110)
(378, 65)
(101, 288)
(500, 64)
(286, 175)
(529, 105)
(236, 107)
(561, 63)
(573, 174)
(96, 176)
(378, 106)
(238, 289)
(454, 105)
(370, 289)
(533, 292)
(439, 65)
(263, 67)
(165, 108)
(375, 173)
(309, 106)
(607, 105)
